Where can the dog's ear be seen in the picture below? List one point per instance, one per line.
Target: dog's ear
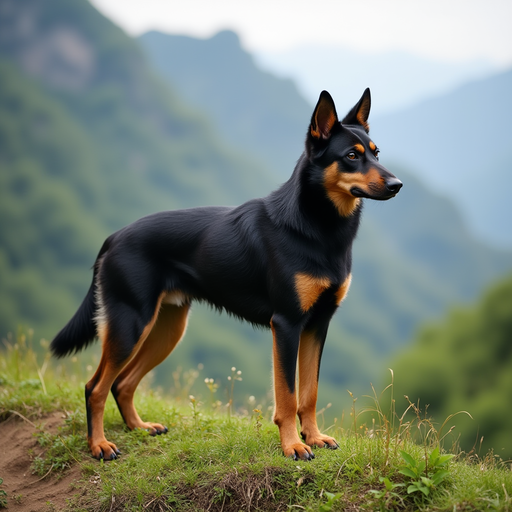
(324, 117)
(360, 113)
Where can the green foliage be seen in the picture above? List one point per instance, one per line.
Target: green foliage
(332, 499)
(59, 453)
(464, 363)
(79, 162)
(3, 496)
(426, 474)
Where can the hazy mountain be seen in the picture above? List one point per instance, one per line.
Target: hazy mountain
(255, 111)
(459, 144)
(397, 79)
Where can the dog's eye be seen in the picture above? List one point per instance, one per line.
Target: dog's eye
(352, 156)
(377, 154)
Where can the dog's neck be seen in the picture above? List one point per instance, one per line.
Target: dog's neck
(301, 204)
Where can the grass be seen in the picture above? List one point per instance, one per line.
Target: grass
(214, 458)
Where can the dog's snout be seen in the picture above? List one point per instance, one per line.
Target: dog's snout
(393, 185)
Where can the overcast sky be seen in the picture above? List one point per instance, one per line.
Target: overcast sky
(438, 29)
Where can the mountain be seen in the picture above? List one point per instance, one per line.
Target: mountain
(398, 79)
(458, 144)
(254, 110)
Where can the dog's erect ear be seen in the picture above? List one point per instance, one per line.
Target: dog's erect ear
(360, 113)
(324, 117)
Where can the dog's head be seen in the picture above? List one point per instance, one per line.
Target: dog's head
(347, 156)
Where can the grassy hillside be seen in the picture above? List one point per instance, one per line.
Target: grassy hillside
(213, 461)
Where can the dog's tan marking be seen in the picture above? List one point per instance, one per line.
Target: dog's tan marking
(309, 362)
(309, 288)
(342, 291)
(338, 190)
(285, 412)
(359, 148)
(338, 186)
(372, 145)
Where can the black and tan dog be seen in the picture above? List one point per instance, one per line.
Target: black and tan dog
(283, 261)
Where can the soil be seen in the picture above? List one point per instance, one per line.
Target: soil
(27, 492)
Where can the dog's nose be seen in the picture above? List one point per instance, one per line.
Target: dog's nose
(393, 185)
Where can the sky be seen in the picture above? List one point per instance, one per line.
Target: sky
(444, 30)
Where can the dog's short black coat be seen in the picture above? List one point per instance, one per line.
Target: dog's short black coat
(283, 261)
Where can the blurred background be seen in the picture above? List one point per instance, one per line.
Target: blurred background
(115, 109)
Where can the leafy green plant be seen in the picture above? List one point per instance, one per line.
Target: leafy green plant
(61, 451)
(387, 496)
(331, 501)
(425, 475)
(3, 496)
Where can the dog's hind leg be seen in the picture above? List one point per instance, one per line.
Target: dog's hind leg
(285, 349)
(164, 336)
(123, 335)
(310, 352)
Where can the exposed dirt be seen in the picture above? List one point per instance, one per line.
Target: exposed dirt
(27, 492)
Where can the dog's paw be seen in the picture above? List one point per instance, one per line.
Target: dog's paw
(154, 429)
(298, 451)
(104, 450)
(320, 441)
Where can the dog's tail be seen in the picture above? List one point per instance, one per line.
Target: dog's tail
(80, 331)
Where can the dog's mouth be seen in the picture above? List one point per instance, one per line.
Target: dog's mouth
(390, 190)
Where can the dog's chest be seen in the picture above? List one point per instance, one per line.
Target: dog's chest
(309, 288)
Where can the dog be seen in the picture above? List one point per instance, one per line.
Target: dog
(282, 261)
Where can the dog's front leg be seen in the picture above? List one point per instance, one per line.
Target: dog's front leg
(285, 349)
(310, 353)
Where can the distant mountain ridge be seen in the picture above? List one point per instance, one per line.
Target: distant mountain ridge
(399, 79)
(254, 110)
(460, 145)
